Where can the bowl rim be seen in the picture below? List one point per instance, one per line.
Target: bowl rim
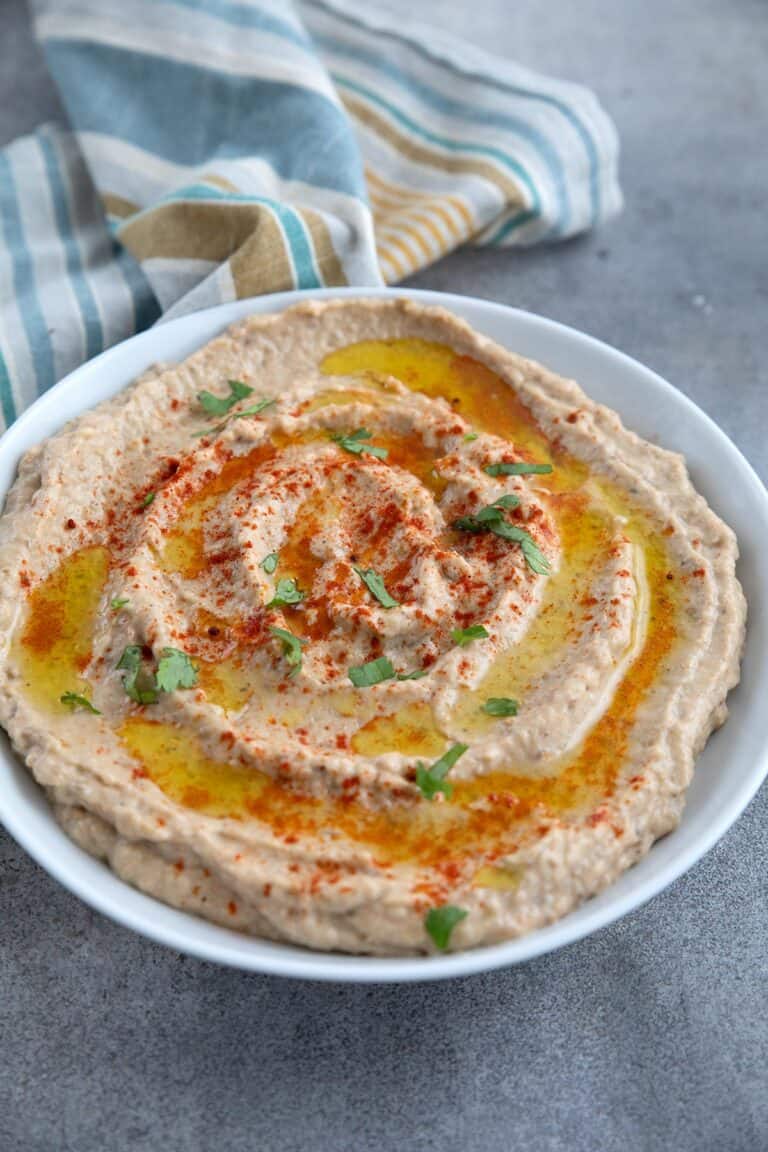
(25, 813)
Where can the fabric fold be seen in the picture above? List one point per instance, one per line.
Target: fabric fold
(222, 149)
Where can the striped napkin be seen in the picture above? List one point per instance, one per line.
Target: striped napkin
(228, 148)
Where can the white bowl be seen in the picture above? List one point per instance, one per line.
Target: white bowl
(728, 773)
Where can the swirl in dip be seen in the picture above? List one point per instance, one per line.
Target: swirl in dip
(358, 631)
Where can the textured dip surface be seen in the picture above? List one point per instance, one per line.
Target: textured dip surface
(358, 631)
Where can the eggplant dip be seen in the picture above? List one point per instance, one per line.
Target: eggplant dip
(357, 631)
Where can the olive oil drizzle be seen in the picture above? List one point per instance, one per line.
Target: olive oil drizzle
(53, 646)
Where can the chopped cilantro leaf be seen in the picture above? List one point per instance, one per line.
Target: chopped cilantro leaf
(175, 670)
(519, 468)
(254, 410)
(440, 923)
(469, 437)
(433, 780)
(375, 586)
(118, 603)
(374, 672)
(535, 559)
(354, 442)
(292, 646)
(485, 518)
(75, 700)
(464, 636)
(286, 592)
(147, 499)
(220, 405)
(491, 519)
(469, 524)
(269, 563)
(415, 675)
(500, 706)
(139, 684)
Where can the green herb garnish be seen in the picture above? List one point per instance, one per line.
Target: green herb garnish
(147, 499)
(254, 410)
(464, 636)
(520, 468)
(75, 700)
(138, 683)
(485, 518)
(491, 519)
(374, 672)
(269, 563)
(354, 442)
(500, 706)
(175, 670)
(286, 593)
(440, 923)
(375, 586)
(433, 779)
(469, 437)
(534, 557)
(415, 675)
(292, 646)
(220, 405)
(118, 603)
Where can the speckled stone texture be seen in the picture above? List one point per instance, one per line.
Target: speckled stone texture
(652, 1035)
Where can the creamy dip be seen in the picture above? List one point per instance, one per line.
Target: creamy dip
(358, 631)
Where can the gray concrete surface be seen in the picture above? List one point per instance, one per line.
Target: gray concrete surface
(652, 1035)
